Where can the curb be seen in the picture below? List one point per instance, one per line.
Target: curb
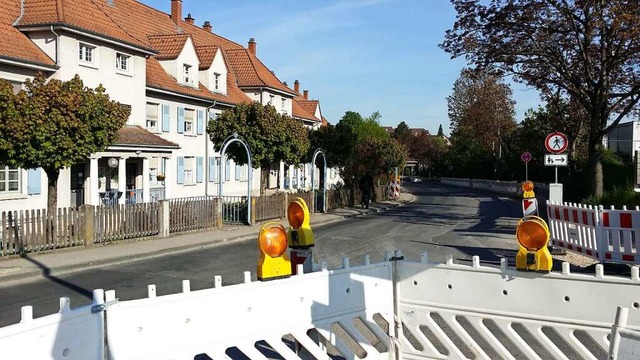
(30, 276)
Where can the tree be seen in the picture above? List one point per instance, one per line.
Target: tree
(481, 105)
(440, 132)
(271, 136)
(375, 156)
(481, 110)
(588, 51)
(56, 124)
(402, 132)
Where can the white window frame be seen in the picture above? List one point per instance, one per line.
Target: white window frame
(216, 81)
(157, 119)
(189, 124)
(271, 98)
(187, 74)
(82, 54)
(5, 181)
(127, 69)
(189, 170)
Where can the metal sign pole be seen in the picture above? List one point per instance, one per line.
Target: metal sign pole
(526, 171)
(556, 174)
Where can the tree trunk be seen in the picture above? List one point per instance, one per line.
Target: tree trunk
(52, 202)
(264, 179)
(595, 168)
(52, 189)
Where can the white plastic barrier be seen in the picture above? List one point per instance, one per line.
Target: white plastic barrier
(620, 230)
(76, 334)
(451, 311)
(625, 342)
(396, 309)
(575, 227)
(257, 315)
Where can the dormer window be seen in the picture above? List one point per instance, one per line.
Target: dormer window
(122, 62)
(216, 81)
(86, 53)
(186, 72)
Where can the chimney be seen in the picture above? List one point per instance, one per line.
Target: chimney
(285, 84)
(176, 11)
(296, 86)
(207, 26)
(189, 19)
(252, 46)
(306, 95)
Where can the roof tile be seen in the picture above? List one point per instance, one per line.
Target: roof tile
(252, 72)
(168, 46)
(136, 135)
(158, 78)
(16, 45)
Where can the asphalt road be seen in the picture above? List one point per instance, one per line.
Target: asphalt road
(442, 220)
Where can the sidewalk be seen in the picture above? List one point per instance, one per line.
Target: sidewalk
(33, 267)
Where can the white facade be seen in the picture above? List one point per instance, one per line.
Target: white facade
(624, 138)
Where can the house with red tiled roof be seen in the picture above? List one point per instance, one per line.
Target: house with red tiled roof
(174, 76)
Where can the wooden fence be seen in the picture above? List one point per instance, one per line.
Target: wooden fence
(306, 196)
(34, 230)
(113, 223)
(269, 207)
(194, 213)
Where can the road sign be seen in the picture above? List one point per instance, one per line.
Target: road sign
(525, 157)
(556, 160)
(530, 206)
(556, 142)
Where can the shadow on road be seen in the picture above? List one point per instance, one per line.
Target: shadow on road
(46, 272)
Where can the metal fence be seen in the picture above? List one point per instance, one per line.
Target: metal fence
(113, 223)
(193, 213)
(156, 194)
(269, 207)
(318, 200)
(234, 210)
(134, 196)
(35, 230)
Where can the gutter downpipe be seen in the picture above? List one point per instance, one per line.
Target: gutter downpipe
(206, 151)
(57, 40)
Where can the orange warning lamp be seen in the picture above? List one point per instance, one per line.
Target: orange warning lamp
(532, 234)
(300, 235)
(527, 190)
(274, 261)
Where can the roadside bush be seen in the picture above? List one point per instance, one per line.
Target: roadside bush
(619, 196)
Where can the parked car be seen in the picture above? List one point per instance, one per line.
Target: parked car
(416, 179)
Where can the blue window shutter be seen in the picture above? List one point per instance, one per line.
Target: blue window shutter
(200, 125)
(180, 169)
(166, 124)
(199, 172)
(180, 119)
(34, 177)
(212, 168)
(227, 170)
(238, 170)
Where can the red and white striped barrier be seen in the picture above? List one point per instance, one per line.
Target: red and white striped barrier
(608, 235)
(620, 230)
(574, 227)
(394, 189)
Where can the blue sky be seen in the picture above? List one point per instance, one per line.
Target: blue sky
(358, 55)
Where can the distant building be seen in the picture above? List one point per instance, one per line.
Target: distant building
(624, 139)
